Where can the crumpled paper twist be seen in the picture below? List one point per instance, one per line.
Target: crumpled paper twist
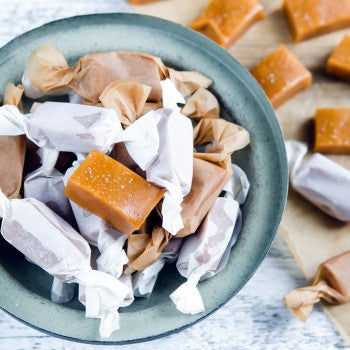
(332, 284)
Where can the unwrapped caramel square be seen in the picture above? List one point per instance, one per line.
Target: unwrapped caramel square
(224, 21)
(113, 192)
(339, 62)
(332, 130)
(310, 18)
(281, 75)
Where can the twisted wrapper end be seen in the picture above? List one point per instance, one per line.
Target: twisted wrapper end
(300, 302)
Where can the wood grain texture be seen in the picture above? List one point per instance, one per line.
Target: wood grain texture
(255, 318)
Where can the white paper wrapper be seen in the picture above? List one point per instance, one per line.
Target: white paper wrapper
(64, 126)
(201, 253)
(172, 168)
(45, 238)
(62, 292)
(320, 180)
(99, 233)
(33, 93)
(171, 95)
(46, 185)
(143, 282)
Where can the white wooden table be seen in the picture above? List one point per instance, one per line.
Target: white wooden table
(254, 319)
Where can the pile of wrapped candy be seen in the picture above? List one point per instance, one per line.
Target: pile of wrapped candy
(147, 178)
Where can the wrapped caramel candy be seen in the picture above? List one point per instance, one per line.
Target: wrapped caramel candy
(12, 150)
(201, 253)
(48, 241)
(47, 71)
(332, 284)
(211, 169)
(323, 182)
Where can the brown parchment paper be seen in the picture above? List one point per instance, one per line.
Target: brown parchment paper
(312, 236)
(12, 150)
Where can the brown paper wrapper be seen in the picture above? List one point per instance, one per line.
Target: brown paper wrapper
(144, 248)
(48, 70)
(332, 284)
(127, 98)
(13, 95)
(12, 150)
(188, 82)
(207, 183)
(202, 104)
(211, 170)
(95, 71)
(223, 137)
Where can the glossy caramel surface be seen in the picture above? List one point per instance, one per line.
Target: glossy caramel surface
(110, 190)
(281, 75)
(332, 130)
(309, 18)
(225, 20)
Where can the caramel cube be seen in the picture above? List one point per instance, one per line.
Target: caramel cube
(339, 62)
(207, 183)
(281, 75)
(309, 18)
(224, 21)
(113, 192)
(332, 130)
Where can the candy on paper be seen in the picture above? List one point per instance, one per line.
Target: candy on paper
(281, 75)
(320, 180)
(332, 284)
(47, 240)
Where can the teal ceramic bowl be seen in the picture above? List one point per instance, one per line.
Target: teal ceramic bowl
(25, 288)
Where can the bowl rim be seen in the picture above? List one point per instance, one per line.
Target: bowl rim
(195, 39)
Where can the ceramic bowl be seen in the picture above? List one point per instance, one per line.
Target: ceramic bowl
(25, 288)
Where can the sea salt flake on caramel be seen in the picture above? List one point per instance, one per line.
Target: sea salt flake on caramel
(113, 192)
(339, 62)
(309, 18)
(281, 75)
(332, 130)
(224, 21)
